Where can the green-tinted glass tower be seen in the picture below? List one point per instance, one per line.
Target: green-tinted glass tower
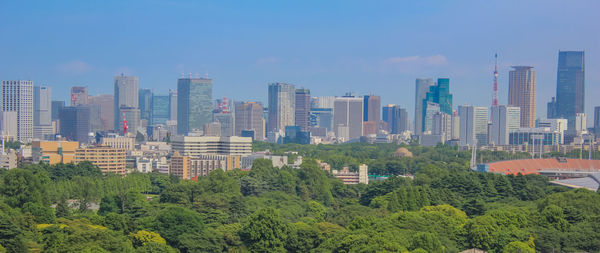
(194, 104)
(439, 94)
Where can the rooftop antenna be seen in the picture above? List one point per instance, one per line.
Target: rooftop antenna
(495, 96)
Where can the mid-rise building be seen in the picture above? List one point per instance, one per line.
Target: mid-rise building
(194, 104)
(126, 96)
(195, 146)
(522, 93)
(421, 88)
(179, 165)
(348, 117)
(322, 118)
(429, 109)
(529, 136)
(108, 159)
(349, 177)
(8, 159)
(54, 152)
(372, 108)
(597, 120)
(118, 142)
(282, 104)
(555, 125)
(212, 129)
(505, 119)
(473, 125)
(580, 124)
(17, 96)
(442, 126)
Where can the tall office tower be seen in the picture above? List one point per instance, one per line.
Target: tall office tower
(145, 104)
(79, 95)
(172, 104)
(282, 102)
(323, 102)
(438, 94)
(551, 109)
(42, 112)
(75, 123)
(505, 120)
(248, 116)
(400, 120)
(455, 126)
(597, 120)
(521, 93)
(8, 125)
(348, 117)
(106, 103)
(194, 104)
(473, 125)
(387, 115)
(126, 96)
(134, 123)
(442, 126)
(302, 109)
(56, 106)
(160, 109)
(372, 108)
(429, 109)
(421, 89)
(570, 87)
(17, 96)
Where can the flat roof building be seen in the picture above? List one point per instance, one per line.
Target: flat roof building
(108, 159)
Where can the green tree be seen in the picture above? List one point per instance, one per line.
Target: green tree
(518, 247)
(11, 235)
(143, 237)
(428, 242)
(22, 186)
(41, 213)
(265, 231)
(172, 222)
(62, 208)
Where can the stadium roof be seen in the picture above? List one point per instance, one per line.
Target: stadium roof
(533, 166)
(591, 182)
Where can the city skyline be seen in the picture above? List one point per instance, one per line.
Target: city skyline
(331, 65)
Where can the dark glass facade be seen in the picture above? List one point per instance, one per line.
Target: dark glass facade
(570, 86)
(439, 94)
(160, 109)
(194, 104)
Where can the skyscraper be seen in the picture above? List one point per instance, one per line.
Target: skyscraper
(473, 125)
(194, 104)
(505, 119)
(145, 104)
(551, 109)
(106, 103)
(79, 95)
(372, 108)
(421, 89)
(348, 117)
(282, 103)
(248, 116)
(160, 109)
(17, 96)
(521, 93)
(126, 96)
(56, 106)
(597, 120)
(429, 109)
(395, 118)
(75, 123)
(387, 115)
(302, 108)
(132, 116)
(172, 105)
(570, 87)
(42, 111)
(438, 94)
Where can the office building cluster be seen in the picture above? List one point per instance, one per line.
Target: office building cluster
(189, 133)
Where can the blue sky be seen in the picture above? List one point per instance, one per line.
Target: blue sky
(327, 46)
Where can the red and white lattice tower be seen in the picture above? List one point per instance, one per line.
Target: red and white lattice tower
(495, 97)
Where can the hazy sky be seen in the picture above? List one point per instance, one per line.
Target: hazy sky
(327, 46)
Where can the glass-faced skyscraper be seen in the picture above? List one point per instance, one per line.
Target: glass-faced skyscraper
(570, 86)
(282, 104)
(421, 88)
(126, 96)
(194, 104)
(438, 94)
(160, 109)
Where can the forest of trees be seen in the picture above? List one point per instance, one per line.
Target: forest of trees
(446, 208)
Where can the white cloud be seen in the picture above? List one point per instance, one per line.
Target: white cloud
(74, 67)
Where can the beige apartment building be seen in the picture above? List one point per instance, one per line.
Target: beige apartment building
(522, 92)
(108, 159)
(54, 152)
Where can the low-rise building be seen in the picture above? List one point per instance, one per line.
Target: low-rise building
(8, 159)
(120, 142)
(53, 152)
(350, 177)
(108, 159)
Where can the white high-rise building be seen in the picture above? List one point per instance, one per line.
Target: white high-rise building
(473, 125)
(348, 114)
(421, 88)
(432, 109)
(505, 120)
(17, 96)
(282, 105)
(580, 123)
(442, 126)
(42, 111)
(126, 96)
(322, 102)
